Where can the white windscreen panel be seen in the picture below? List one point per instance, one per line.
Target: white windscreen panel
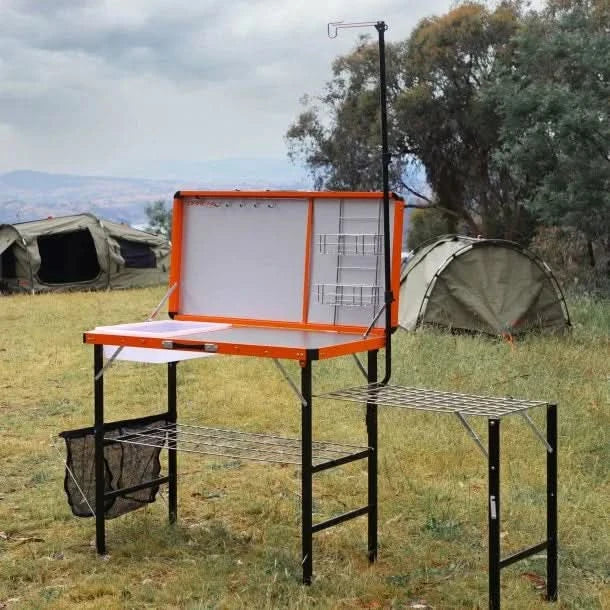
(244, 258)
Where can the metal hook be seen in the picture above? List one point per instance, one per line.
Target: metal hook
(333, 24)
(337, 25)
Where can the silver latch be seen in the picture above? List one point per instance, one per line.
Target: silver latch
(492, 507)
(167, 344)
(211, 348)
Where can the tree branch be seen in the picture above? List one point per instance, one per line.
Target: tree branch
(463, 215)
(423, 206)
(418, 195)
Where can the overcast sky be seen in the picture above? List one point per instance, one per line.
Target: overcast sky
(108, 86)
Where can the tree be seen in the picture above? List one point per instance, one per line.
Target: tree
(553, 95)
(159, 218)
(437, 116)
(447, 123)
(425, 226)
(338, 138)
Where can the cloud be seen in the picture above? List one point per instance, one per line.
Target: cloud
(91, 84)
(127, 37)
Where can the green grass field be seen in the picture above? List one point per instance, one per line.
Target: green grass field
(237, 544)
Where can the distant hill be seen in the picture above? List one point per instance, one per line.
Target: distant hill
(28, 195)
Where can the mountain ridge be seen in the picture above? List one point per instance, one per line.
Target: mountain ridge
(27, 194)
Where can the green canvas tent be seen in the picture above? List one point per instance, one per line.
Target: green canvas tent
(79, 252)
(481, 285)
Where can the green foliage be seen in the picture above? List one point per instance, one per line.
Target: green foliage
(578, 264)
(553, 95)
(437, 116)
(445, 121)
(424, 226)
(444, 529)
(159, 218)
(507, 111)
(337, 136)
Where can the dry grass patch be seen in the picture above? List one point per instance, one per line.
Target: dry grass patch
(237, 542)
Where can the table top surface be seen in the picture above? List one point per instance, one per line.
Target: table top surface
(276, 342)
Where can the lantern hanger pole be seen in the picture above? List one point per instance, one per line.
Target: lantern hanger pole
(381, 27)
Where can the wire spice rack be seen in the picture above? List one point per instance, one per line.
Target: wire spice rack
(347, 295)
(351, 244)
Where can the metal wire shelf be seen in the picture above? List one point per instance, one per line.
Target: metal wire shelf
(347, 295)
(237, 444)
(354, 244)
(434, 400)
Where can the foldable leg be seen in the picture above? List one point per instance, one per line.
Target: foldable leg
(98, 394)
(371, 428)
(306, 474)
(172, 457)
(494, 513)
(551, 503)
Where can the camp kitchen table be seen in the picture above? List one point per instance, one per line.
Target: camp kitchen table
(300, 276)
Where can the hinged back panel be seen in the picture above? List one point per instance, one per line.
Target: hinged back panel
(304, 259)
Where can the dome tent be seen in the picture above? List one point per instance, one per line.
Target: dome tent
(79, 252)
(482, 285)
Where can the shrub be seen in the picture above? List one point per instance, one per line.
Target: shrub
(579, 266)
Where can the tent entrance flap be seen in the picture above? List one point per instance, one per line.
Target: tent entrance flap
(67, 257)
(8, 264)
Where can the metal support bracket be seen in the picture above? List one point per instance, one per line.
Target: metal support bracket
(73, 477)
(377, 316)
(150, 318)
(359, 365)
(109, 362)
(291, 383)
(472, 433)
(530, 422)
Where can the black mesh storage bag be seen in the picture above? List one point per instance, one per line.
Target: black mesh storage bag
(125, 465)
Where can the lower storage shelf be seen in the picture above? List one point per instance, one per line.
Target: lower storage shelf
(239, 445)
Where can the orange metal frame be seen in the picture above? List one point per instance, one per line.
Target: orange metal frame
(176, 260)
(375, 339)
(239, 349)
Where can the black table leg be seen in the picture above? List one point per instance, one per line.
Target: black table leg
(98, 393)
(494, 513)
(306, 474)
(371, 428)
(172, 457)
(551, 503)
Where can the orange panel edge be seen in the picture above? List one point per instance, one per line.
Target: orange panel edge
(287, 194)
(307, 269)
(396, 258)
(175, 267)
(237, 349)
